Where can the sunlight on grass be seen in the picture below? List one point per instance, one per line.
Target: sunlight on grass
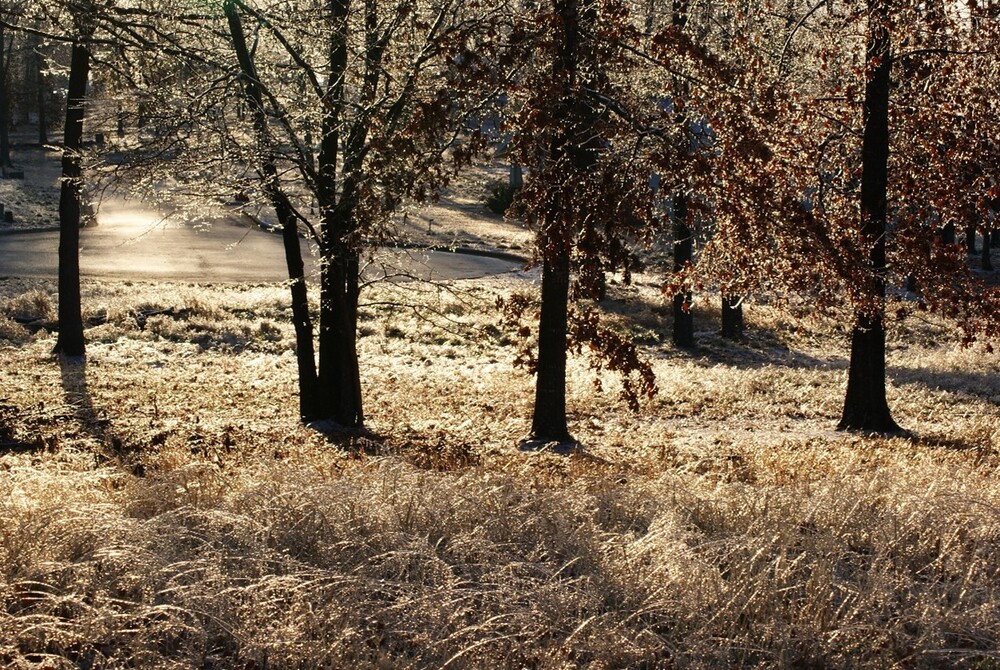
(162, 507)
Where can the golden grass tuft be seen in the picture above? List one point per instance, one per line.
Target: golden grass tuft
(161, 507)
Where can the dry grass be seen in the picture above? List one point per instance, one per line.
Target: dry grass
(160, 507)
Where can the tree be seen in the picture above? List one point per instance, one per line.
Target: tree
(798, 176)
(305, 353)
(385, 88)
(865, 404)
(683, 232)
(71, 339)
(571, 149)
(41, 89)
(581, 130)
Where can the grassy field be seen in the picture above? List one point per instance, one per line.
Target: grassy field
(161, 507)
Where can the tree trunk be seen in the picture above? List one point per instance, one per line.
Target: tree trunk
(970, 239)
(549, 419)
(683, 333)
(865, 405)
(987, 249)
(339, 373)
(309, 391)
(42, 95)
(577, 143)
(516, 177)
(4, 104)
(70, 341)
(948, 233)
(732, 317)
(305, 355)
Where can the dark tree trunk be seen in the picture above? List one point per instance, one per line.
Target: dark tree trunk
(305, 355)
(516, 177)
(70, 341)
(865, 404)
(987, 249)
(948, 233)
(339, 373)
(4, 104)
(42, 96)
(549, 420)
(549, 417)
(732, 317)
(683, 333)
(970, 239)
(309, 391)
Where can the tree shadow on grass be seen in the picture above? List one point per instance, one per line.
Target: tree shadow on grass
(21, 432)
(427, 450)
(950, 444)
(974, 385)
(351, 440)
(651, 323)
(73, 373)
(982, 387)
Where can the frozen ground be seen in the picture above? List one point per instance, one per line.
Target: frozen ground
(34, 200)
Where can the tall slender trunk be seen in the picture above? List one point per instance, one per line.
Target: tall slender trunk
(683, 332)
(865, 404)
(549, 418)
(71, 341)
(41, 93)
(970, 239)
(987, 258)
(4, 103)
(309, 391)
(339, 373)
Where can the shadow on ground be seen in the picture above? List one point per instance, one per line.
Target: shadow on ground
(650, 322)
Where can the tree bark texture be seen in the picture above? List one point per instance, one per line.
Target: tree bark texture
(865, 405)
(71, 341)
(339, 372)
(310, 401)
